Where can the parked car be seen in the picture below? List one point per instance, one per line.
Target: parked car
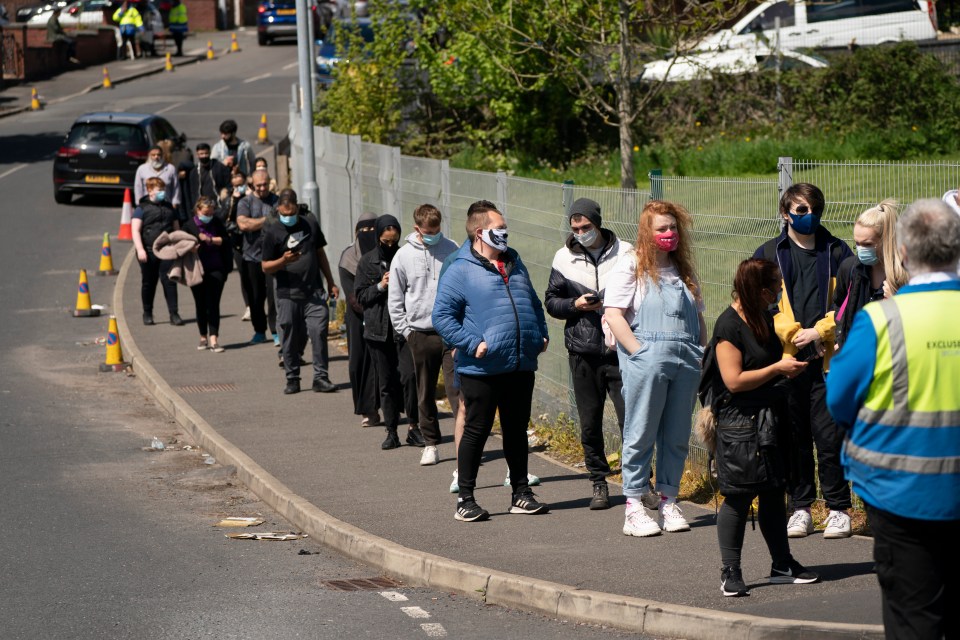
(830, 23)
(702, 66)
(82, 13)
(102, 151)
(328, 57)
(25, 13)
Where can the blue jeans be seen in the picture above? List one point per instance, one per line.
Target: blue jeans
(660, 383)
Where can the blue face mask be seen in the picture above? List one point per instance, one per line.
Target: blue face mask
(161, 196)
(205, 219)
(867, 255)
(429, 240)
(804, 224)
(288, 221)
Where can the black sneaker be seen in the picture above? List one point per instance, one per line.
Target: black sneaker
(176, 320)
(792, 573)
(732, 584)
(526, 502)
(469, 511)
(293, 386)
(148, 319)
(392, 441)
(601, 497)
(323, 385)
(415, 438)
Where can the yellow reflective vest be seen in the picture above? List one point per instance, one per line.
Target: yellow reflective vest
(178, 18)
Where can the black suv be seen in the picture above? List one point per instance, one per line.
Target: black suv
(103, 150)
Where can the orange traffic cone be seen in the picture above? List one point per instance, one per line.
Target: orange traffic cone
(210, 55)
(35, 100)
(84, 309)
(106, 259)
(168, 65)
(114, 361)
(106, 80)
(262, 137)
(126, 218)
(234, 45)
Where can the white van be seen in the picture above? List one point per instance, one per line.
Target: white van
(830, 23)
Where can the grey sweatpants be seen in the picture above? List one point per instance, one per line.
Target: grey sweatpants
(299, 320)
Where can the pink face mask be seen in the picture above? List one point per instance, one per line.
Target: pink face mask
(667, 241)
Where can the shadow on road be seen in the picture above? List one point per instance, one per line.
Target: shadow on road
(30, 148)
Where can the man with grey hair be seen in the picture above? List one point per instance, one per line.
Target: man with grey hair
(894, 390)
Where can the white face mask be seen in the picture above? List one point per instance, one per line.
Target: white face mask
(586, 238)
(495, 238)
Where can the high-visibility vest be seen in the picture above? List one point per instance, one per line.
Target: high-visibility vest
(178, 18)
(903, 452)
(128, 20)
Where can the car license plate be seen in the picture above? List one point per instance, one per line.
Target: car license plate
(102, 179)
(286, 12)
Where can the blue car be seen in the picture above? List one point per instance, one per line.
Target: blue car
(328, 57)
(276, 19)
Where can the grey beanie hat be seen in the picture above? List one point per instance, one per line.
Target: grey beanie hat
(587, 208)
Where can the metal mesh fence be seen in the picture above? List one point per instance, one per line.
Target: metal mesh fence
(732, 217)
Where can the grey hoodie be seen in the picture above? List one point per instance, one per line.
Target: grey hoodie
(414, 273)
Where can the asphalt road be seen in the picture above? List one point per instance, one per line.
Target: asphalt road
(99, 538)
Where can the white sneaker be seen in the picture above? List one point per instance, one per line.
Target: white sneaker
(246, 315)
(638, 523)
(838, 525)
(532, 480)
(671, 518)
(455, 485)
(800, 524)
(429, 456)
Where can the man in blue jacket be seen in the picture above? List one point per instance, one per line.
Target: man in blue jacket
(487, 308)
(893, 389)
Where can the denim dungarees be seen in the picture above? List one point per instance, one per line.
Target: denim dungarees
(660, 383)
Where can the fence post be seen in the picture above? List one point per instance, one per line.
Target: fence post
(567, 194)
(502, 192)
(785, 170)
(354, 170)
(323, 180)
(656, 184)
(445, 196)
(388, 159)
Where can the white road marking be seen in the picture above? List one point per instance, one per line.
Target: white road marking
(259, 77)
(171, 107)
(393, 596)
(434, 630)
(290, 66)
(12, 169)
(180, 104)
(415, 612)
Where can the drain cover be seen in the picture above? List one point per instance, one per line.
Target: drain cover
(207, 388)
(361, 584)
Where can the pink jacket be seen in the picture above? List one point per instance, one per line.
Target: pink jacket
(179, 246)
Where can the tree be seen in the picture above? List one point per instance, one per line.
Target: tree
(596, 48)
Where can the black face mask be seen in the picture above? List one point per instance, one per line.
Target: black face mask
(367, 240)
(388, 251)
(204, 161)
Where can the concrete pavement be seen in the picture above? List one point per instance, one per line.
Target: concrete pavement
(307, 456)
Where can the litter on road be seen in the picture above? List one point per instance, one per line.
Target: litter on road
(269, 535)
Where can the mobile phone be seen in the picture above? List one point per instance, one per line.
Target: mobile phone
(592, 298)
(808, 353)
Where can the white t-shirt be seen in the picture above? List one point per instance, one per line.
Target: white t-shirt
(624, 291)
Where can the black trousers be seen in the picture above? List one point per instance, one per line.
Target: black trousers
(429, 357)
(918, 568)
(261, 291)
(811, 423)
(151, 271)
(206, 297)
(512, 395)
(732, 522)
(408, 380)
(244, 278)
(595, 378)
(363, 376)
(386, 362)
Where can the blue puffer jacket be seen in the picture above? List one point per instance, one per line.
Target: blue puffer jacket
(474, 304)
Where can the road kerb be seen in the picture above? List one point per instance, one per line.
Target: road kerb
(424, 569)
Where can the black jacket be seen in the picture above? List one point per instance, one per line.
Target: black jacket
(216, 175)
(157, 218)
(574, 272)
(376, 316)
(853, 288)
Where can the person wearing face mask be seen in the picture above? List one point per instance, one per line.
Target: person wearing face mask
(363, 380)
(371, 286)
(253, 211)
(875, 273)
(229, 206)
(207, 178)
(414, 274)
(654, 308)
(486, 308)
(809, 258)
(157, 167)
(293, 252)
(153, 216)
(216, 257)
(574, 294)
(233, 151)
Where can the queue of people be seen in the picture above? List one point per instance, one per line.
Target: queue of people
(885, 416)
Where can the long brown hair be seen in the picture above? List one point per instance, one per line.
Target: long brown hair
(682, 258)
(753, 276)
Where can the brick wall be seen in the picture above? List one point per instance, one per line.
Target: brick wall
(42, 59)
